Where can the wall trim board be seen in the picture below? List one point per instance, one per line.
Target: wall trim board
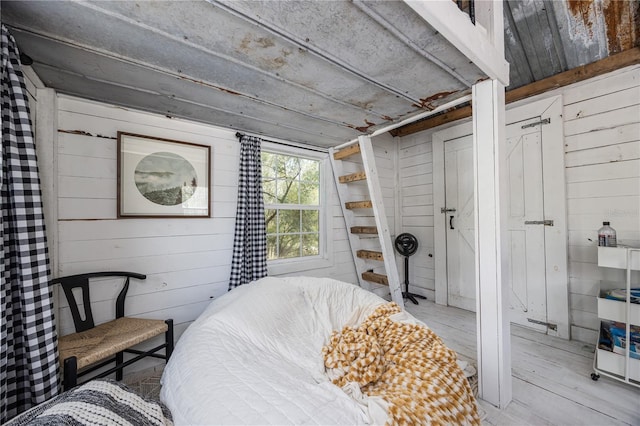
(612, 63)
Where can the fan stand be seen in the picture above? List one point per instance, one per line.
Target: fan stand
(406, 294)
(407, 244)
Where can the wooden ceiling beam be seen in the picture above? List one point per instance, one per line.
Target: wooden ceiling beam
(603, 66)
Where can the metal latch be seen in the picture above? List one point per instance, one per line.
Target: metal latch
(539, 222)
(445, 210)
(553, 327)
(545, 121)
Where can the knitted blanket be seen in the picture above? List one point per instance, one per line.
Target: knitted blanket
(97, 402)
(405, 364)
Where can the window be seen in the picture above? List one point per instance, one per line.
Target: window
(292, 197)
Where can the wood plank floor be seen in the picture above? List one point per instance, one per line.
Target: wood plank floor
(551, 376)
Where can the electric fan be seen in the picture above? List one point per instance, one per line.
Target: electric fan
(406, 244)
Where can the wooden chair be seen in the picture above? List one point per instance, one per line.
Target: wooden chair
(93, 347)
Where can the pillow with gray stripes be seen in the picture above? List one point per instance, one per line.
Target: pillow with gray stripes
(97, 402)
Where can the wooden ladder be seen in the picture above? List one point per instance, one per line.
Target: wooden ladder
(356, 176)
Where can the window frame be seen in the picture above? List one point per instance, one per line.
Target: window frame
(324, 258)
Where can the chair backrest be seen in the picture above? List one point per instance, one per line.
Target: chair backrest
(82, 281)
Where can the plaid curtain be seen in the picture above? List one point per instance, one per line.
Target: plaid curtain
(28, 352)
(250, 243)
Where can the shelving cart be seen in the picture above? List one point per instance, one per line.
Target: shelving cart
(619, 366)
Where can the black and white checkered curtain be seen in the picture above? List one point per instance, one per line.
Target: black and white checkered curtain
(250, 242)
(29, 354)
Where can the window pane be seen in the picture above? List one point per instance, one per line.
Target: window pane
(289, 221)
(288, 192)
(272, 247)
(310, 245)
(310, 221)
(289, 180)
(271, 220)
(309, 170)
(269, 190)
(280, 170)
(289, 246)
(268, 164)
(292, 167)
(309, 194)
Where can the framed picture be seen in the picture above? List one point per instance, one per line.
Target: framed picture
(162, 177)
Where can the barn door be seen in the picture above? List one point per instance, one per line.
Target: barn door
(529, 223)
(459, 224)
(525, 224)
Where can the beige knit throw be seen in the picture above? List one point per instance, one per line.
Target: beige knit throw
(405, 364)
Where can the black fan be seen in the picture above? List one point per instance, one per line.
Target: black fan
(407, 244)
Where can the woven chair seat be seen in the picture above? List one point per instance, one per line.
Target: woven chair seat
(92, 347)
(107, 339)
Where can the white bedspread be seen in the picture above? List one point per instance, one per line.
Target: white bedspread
(255, 356)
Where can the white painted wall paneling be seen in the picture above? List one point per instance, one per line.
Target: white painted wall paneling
(187, 261)
(602, 168)
(416, 207)
(602, 154)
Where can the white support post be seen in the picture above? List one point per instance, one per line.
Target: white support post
(489, 16)
(439, 232)
(475, 42)
(492, 290)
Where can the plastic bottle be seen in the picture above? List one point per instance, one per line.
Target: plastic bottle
(607, 236)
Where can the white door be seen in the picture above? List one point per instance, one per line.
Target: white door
(459, 222)
(525, 225)
(526, 241)
(527, 253)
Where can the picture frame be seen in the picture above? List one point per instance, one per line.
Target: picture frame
(162, 178)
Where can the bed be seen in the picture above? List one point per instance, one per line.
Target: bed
(258, 355)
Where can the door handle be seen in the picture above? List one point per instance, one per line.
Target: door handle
(445, 210)
(451, 222)
(539, 222)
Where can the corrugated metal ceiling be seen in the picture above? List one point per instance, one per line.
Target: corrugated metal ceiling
(546, 37)
(316, 72)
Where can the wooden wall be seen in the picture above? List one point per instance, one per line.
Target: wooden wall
(416, 207)
(187, 261)
(602, 160)
(602, 164)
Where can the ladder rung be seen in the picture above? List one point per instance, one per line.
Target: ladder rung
(353, 177)
(364, 230)
(346, 152)
(370, 254)
(358, 205)
(375, 278)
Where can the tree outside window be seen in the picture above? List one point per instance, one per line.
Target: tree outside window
(291, 187)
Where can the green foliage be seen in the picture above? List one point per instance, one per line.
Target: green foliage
(310, 221)
(289, 184)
